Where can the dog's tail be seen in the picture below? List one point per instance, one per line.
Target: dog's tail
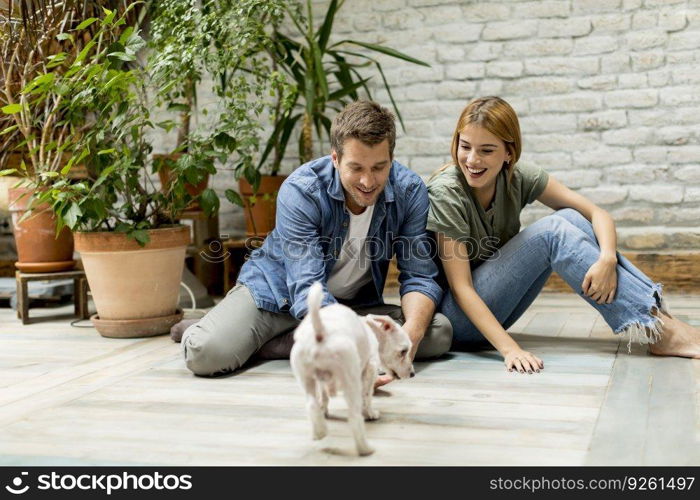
(314, 302)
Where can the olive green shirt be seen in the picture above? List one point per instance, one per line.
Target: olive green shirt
(455, 211)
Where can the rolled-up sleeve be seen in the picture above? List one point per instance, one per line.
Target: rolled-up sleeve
(446, 214)
(298, 223)
(414, 253)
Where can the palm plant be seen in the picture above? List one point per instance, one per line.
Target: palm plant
(325, 75)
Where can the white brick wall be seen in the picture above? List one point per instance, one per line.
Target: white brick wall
(608, 93)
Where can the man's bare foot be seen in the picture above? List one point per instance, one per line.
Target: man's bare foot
(278, 347)
(179, 328)
(677, 339)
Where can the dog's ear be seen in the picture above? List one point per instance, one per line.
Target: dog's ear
(380, 324)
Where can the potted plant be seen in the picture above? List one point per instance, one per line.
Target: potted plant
(323, 77)
(178, 45)
(33, 146)
(219, 43)
(35, 135)
(124, 225)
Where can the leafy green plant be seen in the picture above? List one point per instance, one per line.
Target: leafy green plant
(325, 76)
(103, 90)
(31, 121)
(221, 43)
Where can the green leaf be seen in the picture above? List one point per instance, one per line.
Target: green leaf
(123, 56)
(110, 16)
(72, 216)
(40, 80)
(209, 201)
(385, 50)
(11, 109)
(173, 106)
(391, 96)
(347, 90)
(83, 53)
(125, 36)
(64, 36)
(7, 171)
(56, 60)
(7, 130)
(166, 125)
(106, 151)
(318, 66)
(85, 23)
(140, 235)
(233, 197)
(324, 32)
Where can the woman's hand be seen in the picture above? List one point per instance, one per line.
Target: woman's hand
(522, 361)
(600, 282)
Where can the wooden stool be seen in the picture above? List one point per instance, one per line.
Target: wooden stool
(80, 287)
(251, 242)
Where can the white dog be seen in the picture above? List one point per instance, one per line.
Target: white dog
(334, 348)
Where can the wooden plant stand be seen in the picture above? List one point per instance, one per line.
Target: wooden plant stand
(80, 287)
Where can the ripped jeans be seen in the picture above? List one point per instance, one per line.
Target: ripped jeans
(563, 242)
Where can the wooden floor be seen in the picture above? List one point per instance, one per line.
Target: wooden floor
(71, 397)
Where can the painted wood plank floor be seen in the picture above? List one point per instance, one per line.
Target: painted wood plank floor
(69, 396)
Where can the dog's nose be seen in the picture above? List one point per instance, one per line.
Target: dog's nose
(413, 374)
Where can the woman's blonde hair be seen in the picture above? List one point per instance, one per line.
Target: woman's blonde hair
(496, 116)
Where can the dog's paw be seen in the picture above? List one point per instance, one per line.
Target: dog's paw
(319, 433)
(371, 414)
(363, 451)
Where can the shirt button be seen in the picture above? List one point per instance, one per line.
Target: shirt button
(345, 224)
(284, 301)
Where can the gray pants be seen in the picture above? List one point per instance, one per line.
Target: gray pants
(224, 339)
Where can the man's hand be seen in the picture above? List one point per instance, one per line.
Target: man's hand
(416, 334)
(383, 380)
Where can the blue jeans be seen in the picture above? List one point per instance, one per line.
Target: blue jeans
(563, 242)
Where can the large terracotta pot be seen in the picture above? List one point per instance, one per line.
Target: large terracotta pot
(260, 215)
(38, 249)
(136, 289)
(165, 174)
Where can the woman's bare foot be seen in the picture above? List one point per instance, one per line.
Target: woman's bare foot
(677, 339)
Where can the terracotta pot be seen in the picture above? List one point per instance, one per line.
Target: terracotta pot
(260, 216)
(165, 175)
(38, 249)
(136, 289)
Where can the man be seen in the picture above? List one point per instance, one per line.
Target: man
(340, 219)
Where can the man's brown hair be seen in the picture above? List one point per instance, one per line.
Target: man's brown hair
(365, 121)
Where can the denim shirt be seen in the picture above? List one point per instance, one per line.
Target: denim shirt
(311, 226)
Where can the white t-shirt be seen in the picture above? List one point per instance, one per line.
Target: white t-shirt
(353, 269)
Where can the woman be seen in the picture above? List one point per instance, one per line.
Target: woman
(494, 271)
